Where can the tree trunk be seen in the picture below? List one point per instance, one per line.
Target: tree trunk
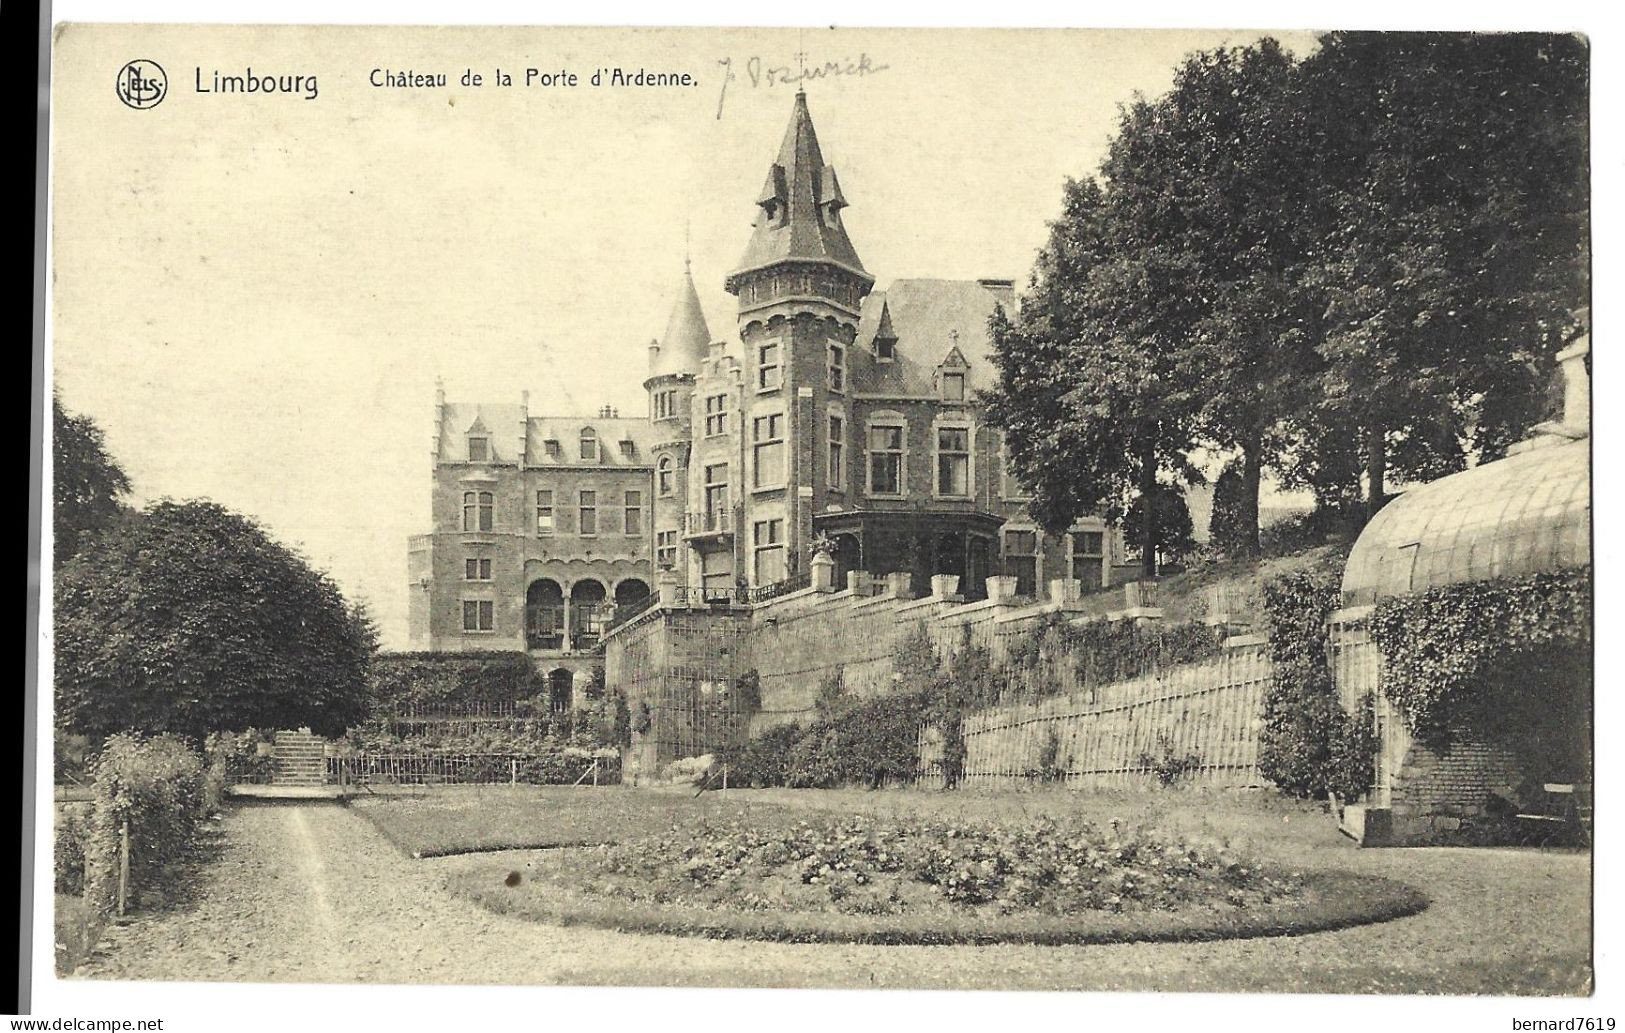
(1376, 464)
(1252, 475)
(1148, 505)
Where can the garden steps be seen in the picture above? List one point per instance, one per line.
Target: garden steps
(301, 759)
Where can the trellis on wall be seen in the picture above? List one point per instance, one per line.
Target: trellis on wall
(1195, 723)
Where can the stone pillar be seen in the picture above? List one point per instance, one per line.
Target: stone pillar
(1066, 592)
(823, 572)
(944, 585)
(901, 584)
(857, 582)
(1001, 588)
(666, 588)
(569, 629)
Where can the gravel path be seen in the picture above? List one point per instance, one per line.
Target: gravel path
(314, 893)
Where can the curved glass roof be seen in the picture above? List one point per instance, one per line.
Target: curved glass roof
(1526, 513)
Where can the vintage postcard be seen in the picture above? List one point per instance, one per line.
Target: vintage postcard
(823, 508)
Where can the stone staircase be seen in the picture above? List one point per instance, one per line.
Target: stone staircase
(300, 759)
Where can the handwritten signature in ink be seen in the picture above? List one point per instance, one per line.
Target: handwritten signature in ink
(759, 73)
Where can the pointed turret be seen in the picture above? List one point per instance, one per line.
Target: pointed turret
(800, 202)
(682, 348)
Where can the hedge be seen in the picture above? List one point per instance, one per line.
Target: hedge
(427, 680)
(156, 786)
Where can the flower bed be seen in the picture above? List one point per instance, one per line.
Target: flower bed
(853, 879)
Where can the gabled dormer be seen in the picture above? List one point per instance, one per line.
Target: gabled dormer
(953, 374)
(477, 439)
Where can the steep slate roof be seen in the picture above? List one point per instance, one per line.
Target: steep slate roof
(566, 430)
(930, 318)
(500, 423)
(684, 345)
(800, 205)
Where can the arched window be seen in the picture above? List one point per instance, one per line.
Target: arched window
(664, 476)
(589, 445)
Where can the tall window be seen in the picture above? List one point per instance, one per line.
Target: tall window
(479, 450)
(663, 477)
(666, 549)
(837, 367)
(479, 615)
(665, 404)
(886, 460)
(716, 415)
(1088, 558)
(953, 461)
(953, 386)
(768, 374)
(634, 512)
(716, 495)
(767, 436)
(544, 511)
(477, 507)
(589, 513)
(769, 544)
(837, 452)
(885, 348)
(477, 569)
(589, 445)
(1021, 559)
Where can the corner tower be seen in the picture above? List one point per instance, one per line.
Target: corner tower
(675, 360)
(800, 285)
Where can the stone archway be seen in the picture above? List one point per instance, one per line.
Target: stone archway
(560, 690)
(631, 598)
(589, 613)
(544, 615)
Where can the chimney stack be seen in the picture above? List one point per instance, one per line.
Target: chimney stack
(1573, 361)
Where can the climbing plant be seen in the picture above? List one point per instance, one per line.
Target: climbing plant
(1447, 651)
(1309, 745)
(1106, 651)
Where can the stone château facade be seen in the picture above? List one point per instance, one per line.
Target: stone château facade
(833, 413)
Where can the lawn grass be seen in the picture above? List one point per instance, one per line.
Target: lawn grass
(453, 820)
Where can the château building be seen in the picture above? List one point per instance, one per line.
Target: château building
(832, 412)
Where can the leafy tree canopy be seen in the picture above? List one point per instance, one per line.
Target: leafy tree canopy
(88, 486)
(188, 618)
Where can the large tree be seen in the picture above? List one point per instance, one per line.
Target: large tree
(1453, 239)
(1089, 392)
(1229, 182)
(87, 485)
(188, 618)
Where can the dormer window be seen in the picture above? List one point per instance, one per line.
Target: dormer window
(953, 386)
(885, 348)
(629, 448)
(479, 449)
(554, 449)
(589, 445)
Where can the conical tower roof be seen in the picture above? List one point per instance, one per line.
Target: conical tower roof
(801, 202)
(682, 348)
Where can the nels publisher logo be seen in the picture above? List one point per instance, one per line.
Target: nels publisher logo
(142, 84)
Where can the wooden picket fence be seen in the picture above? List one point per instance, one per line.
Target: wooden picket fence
(1198, 723)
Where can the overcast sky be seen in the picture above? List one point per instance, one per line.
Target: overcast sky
(254, 295)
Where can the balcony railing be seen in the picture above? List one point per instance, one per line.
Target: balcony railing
(718, 595)
(577, 627)
(709, 522)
